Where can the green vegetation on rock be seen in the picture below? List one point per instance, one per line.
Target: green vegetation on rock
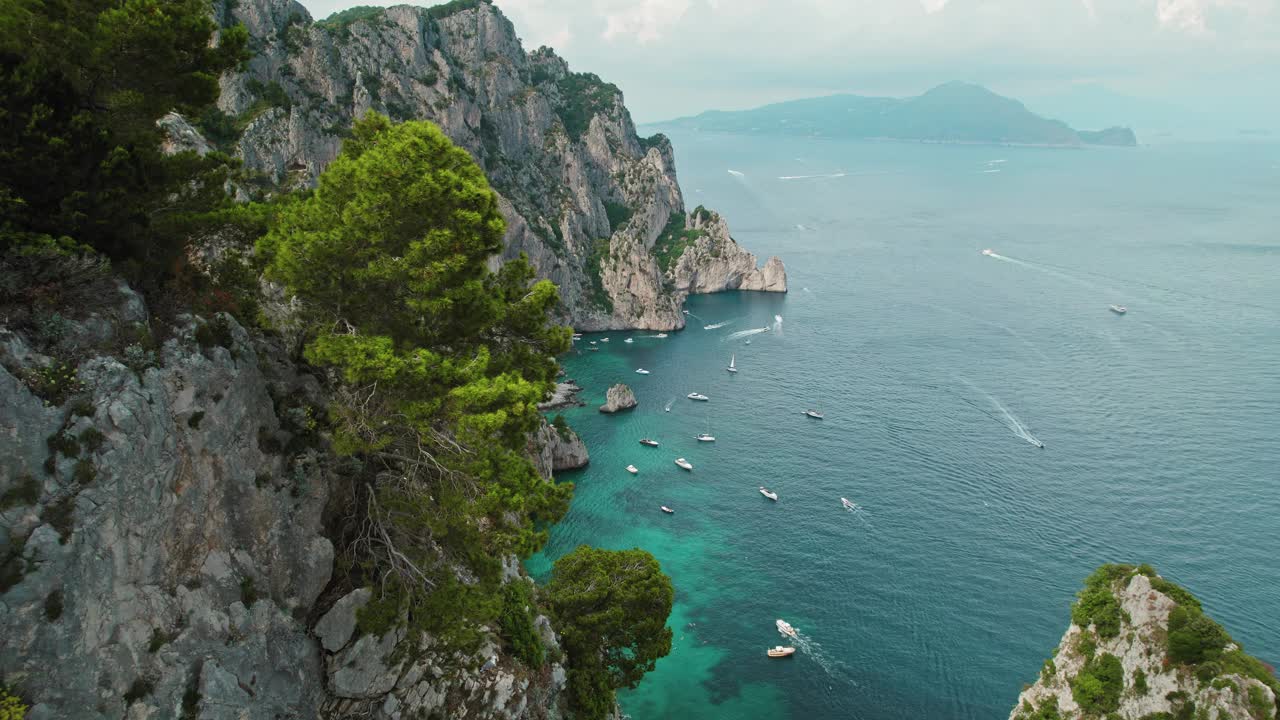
(1097, 687)
(441, 365)
(612, 606)
(582, 96)
(673, 241)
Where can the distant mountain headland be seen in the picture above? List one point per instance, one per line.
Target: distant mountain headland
(955, 112)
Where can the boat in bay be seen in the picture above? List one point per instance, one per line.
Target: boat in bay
(1119, 309)
(649, 442)
(733, 368)
(633, 469)
(767, 493)
(704, 437)
(778, 651)
(785, 628)
(814, 414)
(697, 396)
(684, 463)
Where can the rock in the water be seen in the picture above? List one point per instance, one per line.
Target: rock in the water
(565, 395)
(554, 449)
(714, 262)
(618, 397)
(1125, 653)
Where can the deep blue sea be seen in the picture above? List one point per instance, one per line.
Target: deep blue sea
(936, 367)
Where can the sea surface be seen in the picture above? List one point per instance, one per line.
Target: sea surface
(938, 368)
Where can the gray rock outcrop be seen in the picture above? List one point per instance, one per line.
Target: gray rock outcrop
(714, 262)
(584, 197)
(1153, 685)
(618, 397)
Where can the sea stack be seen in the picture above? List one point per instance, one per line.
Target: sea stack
(619, 397)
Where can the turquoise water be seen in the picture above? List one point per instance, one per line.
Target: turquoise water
(935, 366)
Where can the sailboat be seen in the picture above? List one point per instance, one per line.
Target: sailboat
(733, 368)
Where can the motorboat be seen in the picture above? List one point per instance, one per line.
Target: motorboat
(660, 335)
(647, 441)
(785, 628)
(1119, 309)
(848, 504)
(779, 651)
(668, 510)
(988, 252)
(813, 414)
(633, 469)
(733, 367)
(704, 437)
(641, 371)
(628, 340)
(604, 339)
(684, 463)
(697, 396)
(577, 336)
(771, 495)
(593, 342)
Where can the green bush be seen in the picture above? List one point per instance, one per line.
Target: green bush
(1096, 604)
(673, 241)
(25, 491)
(1140, 682)
(84, 472)
(248, 593)
(516, 621)
(1259, 707)
(53, 384)
(618, 214)
(53, 605)
(215, 332)
(142, 687)
(11, 706)
(1194, 637)
(582, 97)
(1097, 687)
(92, 438)
(60, 515)
(562, 428)
(1048, 710)
(64, 443)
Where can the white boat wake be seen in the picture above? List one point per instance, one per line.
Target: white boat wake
(813, 650)
(1010, 420)
(735, 173)
(777, 324)
(668, 406)
(746, 333)
(717, 326)
(812, 177)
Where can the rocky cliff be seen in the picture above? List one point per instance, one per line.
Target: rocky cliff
(584, 197)
(164, 537)
(1140, 648)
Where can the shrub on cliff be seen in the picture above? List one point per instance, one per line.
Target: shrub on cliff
(612, 606)
(1097, 687)
(82, 84)
(440, 363)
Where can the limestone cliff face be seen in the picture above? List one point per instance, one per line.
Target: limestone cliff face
(584, 197)
(1144, 681)
(715, 262)
(162, 551)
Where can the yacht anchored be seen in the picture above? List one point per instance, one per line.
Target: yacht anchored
(647, 441)
(771, 495)
(668, 510)
(697, 396)
(641, 371)
(704, 437)
(1119, 309)
(633, 469)
(684, 463)
(780, 651)
(813, 414)
(733, 367)
(785, 628)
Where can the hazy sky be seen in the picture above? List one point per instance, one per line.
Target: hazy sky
(679, 57)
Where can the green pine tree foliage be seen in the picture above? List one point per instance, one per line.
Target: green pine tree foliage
(612, 608)
(82, 83)
(441, 364)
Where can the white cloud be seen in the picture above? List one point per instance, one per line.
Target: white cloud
(644, 21)
(933, 6)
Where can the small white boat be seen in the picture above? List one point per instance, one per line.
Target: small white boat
(604, 339)
(733, 368)
(1119, 309)
(577, 336)
(668, 510)
(785, 628)
(628, 340)
(684, 463)
(771, 495)
(813, 414)
(704, 437)
(988, 252)
(660, 335)
(641, 371)
(697, 396)
(633, 469)
(748, 341)
(779, 651)
(848, 504)
(647, 441)
(593, 342)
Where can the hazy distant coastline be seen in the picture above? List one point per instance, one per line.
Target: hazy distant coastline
(954, 114)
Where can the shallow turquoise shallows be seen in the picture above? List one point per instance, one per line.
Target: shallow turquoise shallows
(938, 369)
